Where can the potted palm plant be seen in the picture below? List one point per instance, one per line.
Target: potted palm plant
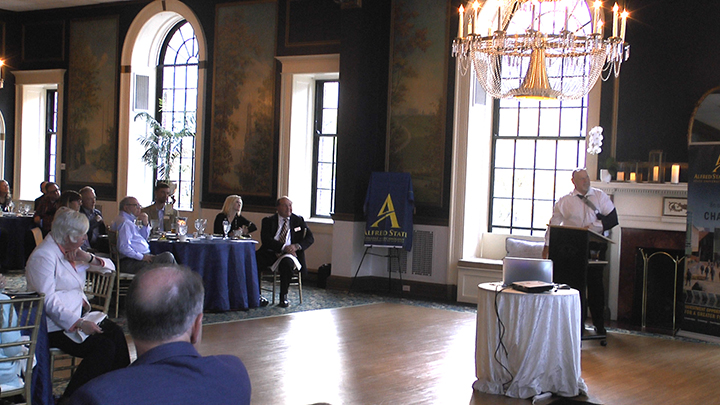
(162, 146)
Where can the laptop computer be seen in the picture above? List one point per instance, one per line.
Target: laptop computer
(529, 275)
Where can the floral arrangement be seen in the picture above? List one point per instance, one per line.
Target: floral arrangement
(594, 142)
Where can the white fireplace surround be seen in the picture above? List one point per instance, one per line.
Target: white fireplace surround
(639, 206)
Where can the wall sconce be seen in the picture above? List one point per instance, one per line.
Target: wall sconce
(2, 80)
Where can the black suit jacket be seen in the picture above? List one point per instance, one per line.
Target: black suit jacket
(270, 248)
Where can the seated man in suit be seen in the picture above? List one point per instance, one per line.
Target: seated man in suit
(132, 241)
(97, 225)
(164, 312)
(42, 190)
(159, 210)
(284, 237)
(45, 209)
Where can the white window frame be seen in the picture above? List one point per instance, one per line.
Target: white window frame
(297, 95)
(30, 129)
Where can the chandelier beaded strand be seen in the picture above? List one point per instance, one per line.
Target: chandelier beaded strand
(562, 65)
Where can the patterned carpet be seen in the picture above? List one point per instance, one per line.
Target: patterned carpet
(313, 298)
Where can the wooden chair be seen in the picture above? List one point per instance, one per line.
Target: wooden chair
(25, 316)
(122, 280)
(274, 278)
(98, 289)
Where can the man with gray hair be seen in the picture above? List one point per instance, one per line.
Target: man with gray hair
(132, 239)
(164, 311)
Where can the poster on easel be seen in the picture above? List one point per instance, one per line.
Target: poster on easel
(389, 206)
(701, 278)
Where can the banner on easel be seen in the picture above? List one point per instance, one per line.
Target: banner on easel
(389, 210)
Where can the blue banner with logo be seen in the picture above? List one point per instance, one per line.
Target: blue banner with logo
(701, 279)
(389, 206)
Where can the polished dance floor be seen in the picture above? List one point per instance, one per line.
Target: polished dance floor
(389, 353)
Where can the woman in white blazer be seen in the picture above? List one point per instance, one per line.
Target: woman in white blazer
(57, 268)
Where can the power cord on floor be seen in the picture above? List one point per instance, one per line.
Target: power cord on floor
(501, 349)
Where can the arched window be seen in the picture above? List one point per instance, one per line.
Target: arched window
(177, 85)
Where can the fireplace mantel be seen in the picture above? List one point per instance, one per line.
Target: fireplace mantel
(640, 205)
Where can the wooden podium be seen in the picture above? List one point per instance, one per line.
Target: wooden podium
(574, 252)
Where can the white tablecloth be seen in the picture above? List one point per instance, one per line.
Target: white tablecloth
(542, 338)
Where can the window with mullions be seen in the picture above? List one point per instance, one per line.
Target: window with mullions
(51, 115)
(536, 146)
(325, 148)
(177, 90)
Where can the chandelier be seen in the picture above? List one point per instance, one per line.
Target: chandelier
(535, 53)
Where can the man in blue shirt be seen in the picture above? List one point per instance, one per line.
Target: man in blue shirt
(132, 239)
(164, 312)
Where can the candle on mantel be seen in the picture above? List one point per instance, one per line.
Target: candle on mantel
(656, 173)
(632, 177)
(460, 23)
(620, 176)
(675, 174)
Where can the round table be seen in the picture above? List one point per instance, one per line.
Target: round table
(542, 338)
(13, 235)
(228, 269)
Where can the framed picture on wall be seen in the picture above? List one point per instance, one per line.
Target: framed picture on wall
(241, 148)
(90, 138)
(417, 95)
(675, 207)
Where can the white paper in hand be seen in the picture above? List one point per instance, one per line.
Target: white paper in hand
(79, 336)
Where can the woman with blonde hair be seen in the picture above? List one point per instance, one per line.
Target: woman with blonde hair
(231, 212)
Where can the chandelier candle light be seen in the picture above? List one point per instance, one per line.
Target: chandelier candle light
(554, 58)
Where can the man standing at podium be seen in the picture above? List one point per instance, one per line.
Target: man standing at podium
(589, 208)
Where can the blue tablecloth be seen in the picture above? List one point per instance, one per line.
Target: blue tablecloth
(13, 234)
(228, 269)
(42, 387)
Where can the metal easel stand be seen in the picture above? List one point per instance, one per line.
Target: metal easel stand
(646, 260)
(389, 255)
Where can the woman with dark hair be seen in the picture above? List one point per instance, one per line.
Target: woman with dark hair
(70, 199)
(57, 269)
(231, 213)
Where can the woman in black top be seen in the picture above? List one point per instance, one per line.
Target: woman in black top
(231, 211)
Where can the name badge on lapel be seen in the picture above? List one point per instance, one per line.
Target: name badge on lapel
(297, 229)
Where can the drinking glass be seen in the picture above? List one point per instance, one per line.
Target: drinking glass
(200, 225)
(182, 225)
(155, 226)
(226, 228)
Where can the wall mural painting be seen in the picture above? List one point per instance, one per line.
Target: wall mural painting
(242, 136)
(91, 128)
(417, 114)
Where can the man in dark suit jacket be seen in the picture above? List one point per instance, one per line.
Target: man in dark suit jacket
(164, 312)
(284, 234)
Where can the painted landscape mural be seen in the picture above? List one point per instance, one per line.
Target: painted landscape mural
(241, 141)
(417, 95)
(92, 86)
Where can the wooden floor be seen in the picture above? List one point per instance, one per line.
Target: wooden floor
(401, 354)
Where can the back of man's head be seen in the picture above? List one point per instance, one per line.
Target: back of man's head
(163, 302)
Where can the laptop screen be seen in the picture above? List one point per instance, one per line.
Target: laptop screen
(524, 269)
